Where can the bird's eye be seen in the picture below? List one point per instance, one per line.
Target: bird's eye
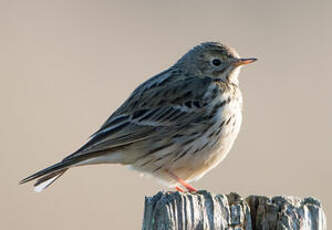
(216, 62)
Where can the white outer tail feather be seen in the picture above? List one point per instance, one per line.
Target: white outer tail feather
(45, 184)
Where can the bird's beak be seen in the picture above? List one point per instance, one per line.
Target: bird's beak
(243, 61)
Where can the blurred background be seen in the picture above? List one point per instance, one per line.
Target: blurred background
(66, 65)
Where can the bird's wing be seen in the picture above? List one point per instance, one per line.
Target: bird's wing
(153, 108)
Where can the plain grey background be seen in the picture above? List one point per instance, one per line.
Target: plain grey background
(66, 65)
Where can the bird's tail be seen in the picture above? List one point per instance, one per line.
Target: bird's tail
(48, 175)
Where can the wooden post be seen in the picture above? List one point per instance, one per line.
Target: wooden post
(208, 211)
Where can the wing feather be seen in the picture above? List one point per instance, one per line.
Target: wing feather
(152, 108)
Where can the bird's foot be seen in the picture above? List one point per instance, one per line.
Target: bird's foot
(179, 189)
(182, 182)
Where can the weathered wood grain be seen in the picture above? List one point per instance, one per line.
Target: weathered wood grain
(207, 211)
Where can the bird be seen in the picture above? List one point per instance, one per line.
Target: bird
(175, 126)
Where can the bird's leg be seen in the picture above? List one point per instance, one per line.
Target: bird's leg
(182, 182)
(179, 189)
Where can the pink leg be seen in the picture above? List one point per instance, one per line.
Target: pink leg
(182, 182)
(179, 189)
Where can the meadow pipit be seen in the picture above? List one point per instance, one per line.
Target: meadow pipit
(177, 125)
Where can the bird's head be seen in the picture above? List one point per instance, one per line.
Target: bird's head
(215, 60)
